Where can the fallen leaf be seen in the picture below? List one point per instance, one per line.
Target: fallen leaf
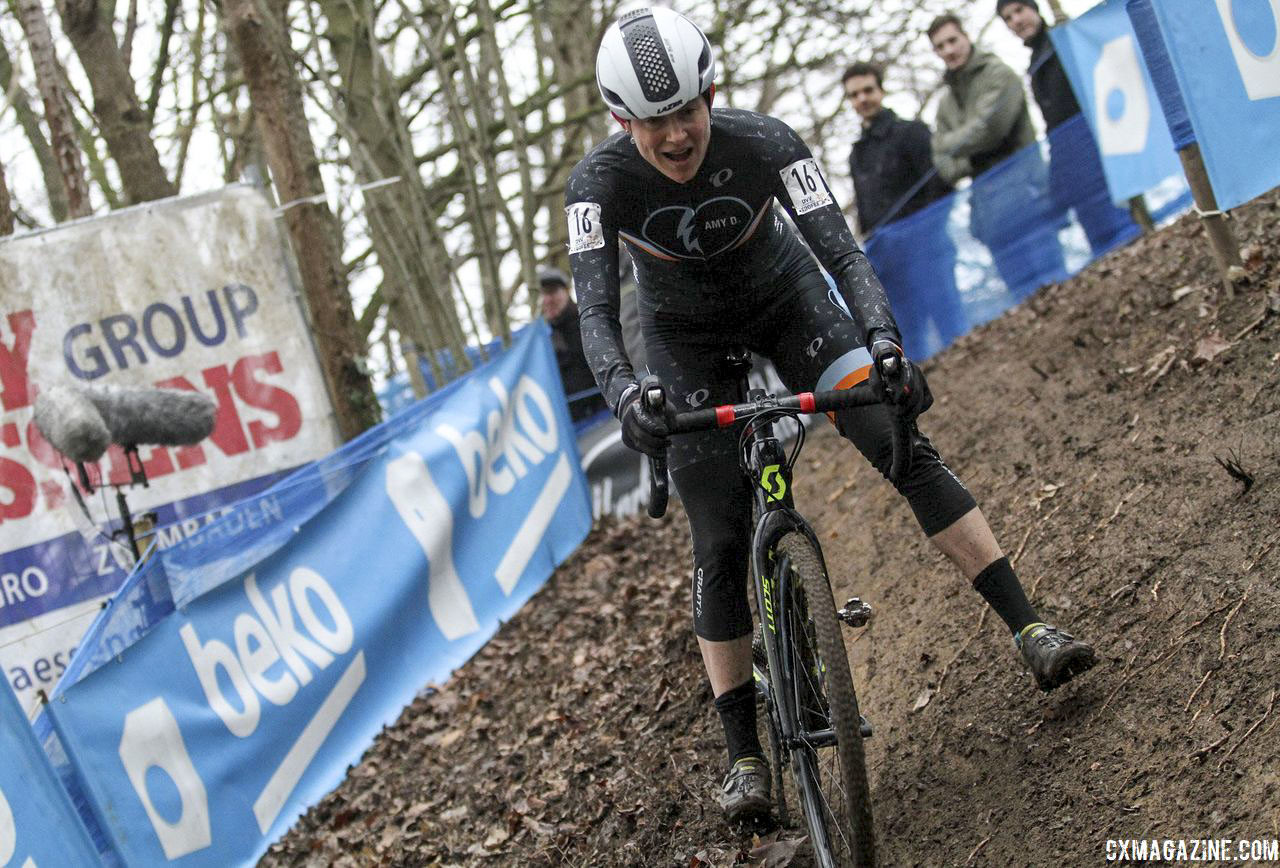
(1156, 362)
(451, 737)
(496, 836)
(1207, 348)
(454, 814)
(776, 854)
(923, 699)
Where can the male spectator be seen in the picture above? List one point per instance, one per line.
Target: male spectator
(1076, 179)
(983, 130)
(893, 179)
(561, 313)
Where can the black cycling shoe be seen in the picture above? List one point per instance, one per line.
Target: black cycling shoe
(746, 790)
(1054, 657)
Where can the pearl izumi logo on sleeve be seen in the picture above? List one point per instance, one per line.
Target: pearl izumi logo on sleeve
(585, 231)
(805, 185)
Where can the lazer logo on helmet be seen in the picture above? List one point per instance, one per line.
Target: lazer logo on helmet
(668, 107)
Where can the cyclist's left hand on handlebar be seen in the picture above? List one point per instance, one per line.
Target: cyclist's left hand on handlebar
(897, 380)
(643, 430)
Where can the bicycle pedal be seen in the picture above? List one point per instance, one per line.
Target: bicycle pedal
(864, 727)
(855, 613)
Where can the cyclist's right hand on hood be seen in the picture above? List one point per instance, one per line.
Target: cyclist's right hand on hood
(643, 430)
(897, 380)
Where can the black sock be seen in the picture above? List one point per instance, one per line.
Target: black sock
(737, 709)
(1000, 587)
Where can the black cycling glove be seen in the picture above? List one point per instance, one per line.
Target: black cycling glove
(899, 383)
(642, 430)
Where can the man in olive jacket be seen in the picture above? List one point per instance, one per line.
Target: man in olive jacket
(983, 131)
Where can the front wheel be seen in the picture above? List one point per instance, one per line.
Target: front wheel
(831, 779)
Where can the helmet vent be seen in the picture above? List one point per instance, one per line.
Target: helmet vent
(649, 59)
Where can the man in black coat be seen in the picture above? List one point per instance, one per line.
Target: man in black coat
(561, 313)
(1076, 178)
(895, 183)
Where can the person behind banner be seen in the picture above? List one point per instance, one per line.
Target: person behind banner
(561, 313)
(698, 193)
(1076, 179)
(894, 178)
(984, 131)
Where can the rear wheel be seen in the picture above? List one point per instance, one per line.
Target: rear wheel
(831, 779)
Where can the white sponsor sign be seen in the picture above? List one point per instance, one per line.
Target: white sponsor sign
(186, 293)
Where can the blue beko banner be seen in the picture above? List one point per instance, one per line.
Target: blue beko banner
(38, 826)
(1226, 56)
(204, 739)
(1101, 56)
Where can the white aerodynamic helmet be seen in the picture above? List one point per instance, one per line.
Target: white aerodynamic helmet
(651, 62)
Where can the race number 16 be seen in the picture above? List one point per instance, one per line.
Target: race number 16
(805, 186)
(585, 231)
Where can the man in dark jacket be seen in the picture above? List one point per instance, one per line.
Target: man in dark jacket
(984, 131)
(561, 313)
(1076, 179)
(906, 238)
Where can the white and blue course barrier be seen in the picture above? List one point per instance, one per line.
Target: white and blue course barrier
(38, 825)
(1224, 58)
(238, 674)
(1101, 55)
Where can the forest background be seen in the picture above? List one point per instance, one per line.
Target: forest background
(417, 153)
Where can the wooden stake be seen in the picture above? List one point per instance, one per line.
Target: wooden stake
(1141, 214)
(1221, 239)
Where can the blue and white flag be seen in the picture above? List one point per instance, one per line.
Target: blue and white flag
(38, 825)
(1226, 56)
(203, 740)
(1104, 63)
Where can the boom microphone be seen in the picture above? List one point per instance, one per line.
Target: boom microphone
(164, 417)
(71, 423)
(129, 416)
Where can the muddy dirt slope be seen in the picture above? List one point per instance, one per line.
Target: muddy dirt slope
(1108, 427)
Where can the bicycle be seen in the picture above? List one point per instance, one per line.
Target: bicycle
(800, 663)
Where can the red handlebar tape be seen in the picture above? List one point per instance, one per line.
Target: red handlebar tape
(725, 416)
(807, 404)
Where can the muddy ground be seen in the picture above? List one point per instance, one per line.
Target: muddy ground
(1089, 423)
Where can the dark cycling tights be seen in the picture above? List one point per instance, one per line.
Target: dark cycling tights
(813, 344)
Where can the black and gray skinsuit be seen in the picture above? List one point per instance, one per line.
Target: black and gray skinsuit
(718, 266)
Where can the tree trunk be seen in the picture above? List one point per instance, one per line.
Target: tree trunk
(470, 132)
(276, 95)
(403, 227)
(57, 114)
(121, 120)
(6, 206)
(30, 124)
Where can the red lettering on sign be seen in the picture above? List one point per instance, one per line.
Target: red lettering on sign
(267, 397)
(18, 479)
(54, 495)
(13, 361)
(228, 433)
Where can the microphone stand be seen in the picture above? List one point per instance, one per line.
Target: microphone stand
(137, 476)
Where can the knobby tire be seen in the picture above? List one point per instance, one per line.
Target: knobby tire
(833, 777)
